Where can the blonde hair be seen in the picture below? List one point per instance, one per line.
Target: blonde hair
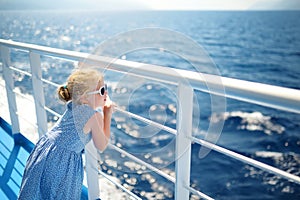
(78, 83)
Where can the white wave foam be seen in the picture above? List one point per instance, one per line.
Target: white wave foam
(254, 121)
(269, 154)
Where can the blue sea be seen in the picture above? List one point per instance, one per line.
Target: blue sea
(259, 46)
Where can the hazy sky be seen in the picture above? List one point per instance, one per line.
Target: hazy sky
(221, 4)
(200, 4)
(153, 4)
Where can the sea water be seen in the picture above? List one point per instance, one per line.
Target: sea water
(261, 46)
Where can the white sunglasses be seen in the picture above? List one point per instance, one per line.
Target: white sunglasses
(101, 91)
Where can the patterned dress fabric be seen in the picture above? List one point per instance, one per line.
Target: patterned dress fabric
(54, 169)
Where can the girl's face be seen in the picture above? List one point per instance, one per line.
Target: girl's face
(98, 96)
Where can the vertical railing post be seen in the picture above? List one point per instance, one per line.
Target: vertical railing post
(183, 143)
(91, 167)
(9, 85)
(38, 93)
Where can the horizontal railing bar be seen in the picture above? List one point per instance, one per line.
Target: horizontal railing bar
(112, 181)
(26, 119)
(44, 80)
(28, 74)
(198, 193)
(168, 129)
(248, 160)
(149, 166)
(78, 56)
(31, 100)
(18, 113)
(21, 50)
(119, 185)
(23, 96)
(150, 122)
(20, 71)
(262, 94)
(172, 179)
(50, 83)
(52, 111)
(147, 121)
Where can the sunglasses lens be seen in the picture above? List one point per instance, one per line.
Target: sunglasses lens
(102, 91)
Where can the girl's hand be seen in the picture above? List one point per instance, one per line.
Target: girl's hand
(109, 107)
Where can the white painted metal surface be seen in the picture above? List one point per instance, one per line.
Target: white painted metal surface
(38, 92)
(92, 170)
(9, 84)
(267, 95)
(247, 160)
(183, 143)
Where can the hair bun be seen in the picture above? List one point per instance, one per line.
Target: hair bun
(63, 93)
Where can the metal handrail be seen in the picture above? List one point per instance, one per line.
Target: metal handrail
(20, 71)
(247, 160)
(263, 94)
(149, 166)
(52, 112)
(147, 121)
(267, 95)
(119, 185)
(198, 193)
(222, 150)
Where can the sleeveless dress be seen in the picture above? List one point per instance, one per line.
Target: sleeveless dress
(54, 169)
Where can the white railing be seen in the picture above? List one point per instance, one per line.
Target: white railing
(267, 95)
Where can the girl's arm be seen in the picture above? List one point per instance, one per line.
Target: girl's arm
(100, 126)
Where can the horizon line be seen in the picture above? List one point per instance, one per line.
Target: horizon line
(118, 10)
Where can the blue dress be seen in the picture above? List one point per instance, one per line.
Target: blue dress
(54, 169)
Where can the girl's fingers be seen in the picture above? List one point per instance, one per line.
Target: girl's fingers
(108, 102)
(109, 105)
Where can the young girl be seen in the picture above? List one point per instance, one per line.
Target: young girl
(54, 168)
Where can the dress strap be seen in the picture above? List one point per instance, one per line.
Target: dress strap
(99, 109)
